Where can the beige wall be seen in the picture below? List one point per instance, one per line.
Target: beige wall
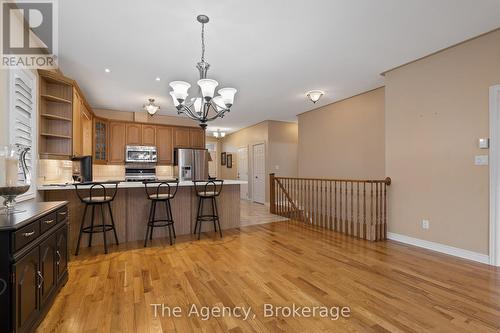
(143, 117)
(344, 139)
(436, 110)
(280, 139)
(283, 148)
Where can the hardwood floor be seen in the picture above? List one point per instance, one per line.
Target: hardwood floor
(252, 213)
(388, 286)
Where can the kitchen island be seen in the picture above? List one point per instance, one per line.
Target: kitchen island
(131, 210)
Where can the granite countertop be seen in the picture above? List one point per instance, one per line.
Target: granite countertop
(122, 184)
(31, 211)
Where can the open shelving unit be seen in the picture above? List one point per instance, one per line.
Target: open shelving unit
(56, 116)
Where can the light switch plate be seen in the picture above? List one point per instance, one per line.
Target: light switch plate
(484, 143)
(481, 160)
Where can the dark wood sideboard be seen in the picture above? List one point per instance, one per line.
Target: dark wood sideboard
(33, 263)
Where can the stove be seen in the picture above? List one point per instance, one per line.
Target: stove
(140, 172)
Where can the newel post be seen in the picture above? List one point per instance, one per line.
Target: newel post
(272, 198)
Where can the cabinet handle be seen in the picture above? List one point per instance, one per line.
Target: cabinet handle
(62, 213)
(40, 279)
(29, 234)
(58, 257)
(48, 221)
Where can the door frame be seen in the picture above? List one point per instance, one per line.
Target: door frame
(248, 168)
(252, 172)
(494, 246)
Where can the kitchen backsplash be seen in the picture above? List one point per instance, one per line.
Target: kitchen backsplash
(58, 171)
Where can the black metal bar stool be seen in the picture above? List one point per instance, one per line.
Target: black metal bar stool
(207, 190)
(160, 191)
(96, 194)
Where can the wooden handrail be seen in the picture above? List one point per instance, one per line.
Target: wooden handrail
(356, 207)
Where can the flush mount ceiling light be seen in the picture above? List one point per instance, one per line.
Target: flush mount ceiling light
(219, 134)
(151, 107)
(205, 107)
(315, 95)
(107, 70)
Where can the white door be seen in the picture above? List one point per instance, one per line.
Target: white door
(259, 173)
(243, 171)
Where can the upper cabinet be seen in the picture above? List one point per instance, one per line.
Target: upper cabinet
(149, 135)
(117, 142)
(165, 146)
(181, 137)
(101, 133)
(77, 126)
(197, 138)
(134, 134)
(56, 111)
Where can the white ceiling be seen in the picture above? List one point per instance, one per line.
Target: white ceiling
(271, 51)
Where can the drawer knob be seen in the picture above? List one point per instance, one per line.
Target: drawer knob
(29, 234)
(48, 221)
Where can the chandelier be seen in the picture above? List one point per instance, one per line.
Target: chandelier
(151, 107)
(219, 134)
(204, 107)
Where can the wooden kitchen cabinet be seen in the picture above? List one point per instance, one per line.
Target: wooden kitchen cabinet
(165, 146)
(100, 146)
(148, 135)
(26, 291)
(134, 134)
(196, 138)
(181, 137)
(117, 142)
(86, 123)
(77, 124)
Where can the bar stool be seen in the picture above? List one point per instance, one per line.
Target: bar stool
(207, 190)
(104, 197)
(165, 191)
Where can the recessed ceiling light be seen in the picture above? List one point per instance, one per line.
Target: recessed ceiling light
(158, 79)
(107, 70)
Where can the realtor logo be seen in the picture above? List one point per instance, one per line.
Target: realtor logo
(29, 34)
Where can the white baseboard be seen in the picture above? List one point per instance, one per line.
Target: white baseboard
(453, 251)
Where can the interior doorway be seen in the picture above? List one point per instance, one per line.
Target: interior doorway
(243, 171)
(259, 173)
(494, 250)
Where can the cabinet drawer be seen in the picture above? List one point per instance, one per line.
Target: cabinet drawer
(48, 222)
(26, 234)
(62, 214)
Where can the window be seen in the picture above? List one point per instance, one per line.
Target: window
(22, 119)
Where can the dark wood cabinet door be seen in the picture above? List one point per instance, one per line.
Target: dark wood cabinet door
(116, 142)
(181, 137)
(61, 252)
(47, 268)
(197, 138)
(148, 135)
(26, 294)
(165, 147)
(134, 134)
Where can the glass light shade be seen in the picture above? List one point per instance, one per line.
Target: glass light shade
(176, 102)
(180, 90)
(219, 103)
(197, 103)
(219, 134)
(151, 109)
(207, 88)
(315, 95)
(227, 95)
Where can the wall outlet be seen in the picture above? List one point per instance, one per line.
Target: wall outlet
(481, 160)
(425, 224)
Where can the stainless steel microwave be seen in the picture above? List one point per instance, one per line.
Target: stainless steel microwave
(140, 154)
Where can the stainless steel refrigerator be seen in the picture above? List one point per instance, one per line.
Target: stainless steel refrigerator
(191, 164)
